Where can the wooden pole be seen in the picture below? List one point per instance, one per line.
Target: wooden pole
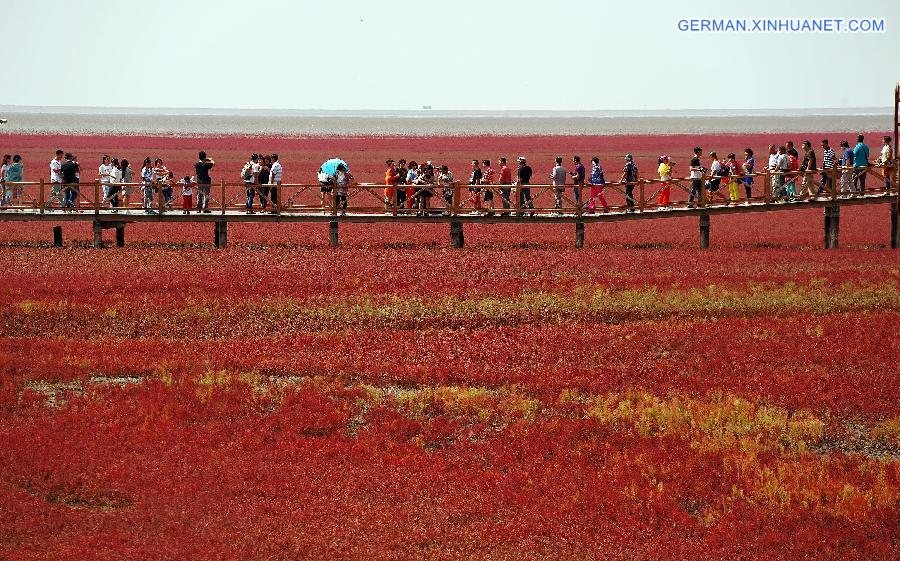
(120, 235)
(41, 200)
(57, 236)
(98, 234)
(457, 241)
(333, 233)
(704, 230)
(96, 206)
(517, 200)
(579, 234)
(767, 197)
(895, 225)
(832, 222)
(223, 197)
(641, 195)
(454, 207)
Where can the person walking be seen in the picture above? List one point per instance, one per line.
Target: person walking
(275, 176)
(70, 179)
(391, 179)
(204, 181)
(250, 176)
(826, 182)
(748, 166)
(887, 162)
(127, 180)
(5, 190)
(523, 182)
(186, 195)
(487, 182)
(578, 175)
(56, 187)
(695, 198)
(265, 170)
(598, 182)
(734, 179)
(341, 188)
(474, 187)
(164, 180)
(106, 176)
(148, 185)
(665, 176)
(505, 192)
(809, 169)
(115, 185)
(558, 180)
(860, 164)
(445, 181)
(630, 178)
(13, 181)
(848, 186)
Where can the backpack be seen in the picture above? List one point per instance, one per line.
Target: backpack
(723, 171)
(247, 172)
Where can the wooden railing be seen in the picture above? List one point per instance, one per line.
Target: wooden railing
(448, 200)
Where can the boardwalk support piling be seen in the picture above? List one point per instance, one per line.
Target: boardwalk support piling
(220, 235)
(120, 236)
(98, 234)
(579, 235)
(832, 223)
(57, 236)
(704, 230)
(895, 225)
(333, 233)
(457, 240)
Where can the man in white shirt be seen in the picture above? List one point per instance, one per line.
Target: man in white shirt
(56, 191)
(106, 176)
(250, 175)
(887, 160)
(275, 174)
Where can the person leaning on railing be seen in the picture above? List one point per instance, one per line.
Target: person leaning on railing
(275, 175)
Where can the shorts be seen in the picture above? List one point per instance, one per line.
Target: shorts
(328, 188)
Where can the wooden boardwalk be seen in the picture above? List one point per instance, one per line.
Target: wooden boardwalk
(226, 208)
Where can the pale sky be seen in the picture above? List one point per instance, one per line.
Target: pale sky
(463, 54)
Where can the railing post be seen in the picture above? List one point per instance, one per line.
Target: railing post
(41, 198)
(517, 201)
(223, 197)
(895, 225)
(641, 195)
(835, 180)
(454, 206)
(767, 193)
(160, 198)
(394, 198)
(96, 204)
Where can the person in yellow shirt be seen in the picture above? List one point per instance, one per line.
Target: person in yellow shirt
(735, 172)
(665, 175)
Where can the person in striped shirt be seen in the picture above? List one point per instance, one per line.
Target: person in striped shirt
(828, 156)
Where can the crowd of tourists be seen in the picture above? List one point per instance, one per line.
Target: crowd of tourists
(410, 186)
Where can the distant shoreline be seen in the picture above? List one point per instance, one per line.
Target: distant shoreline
(425, 123)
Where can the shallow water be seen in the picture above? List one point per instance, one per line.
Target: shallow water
(430, 123)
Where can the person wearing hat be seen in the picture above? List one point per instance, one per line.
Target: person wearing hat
(630, 177)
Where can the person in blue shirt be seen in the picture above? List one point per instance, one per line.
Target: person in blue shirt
(861, 163)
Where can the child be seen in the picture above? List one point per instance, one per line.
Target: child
(186, 195)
